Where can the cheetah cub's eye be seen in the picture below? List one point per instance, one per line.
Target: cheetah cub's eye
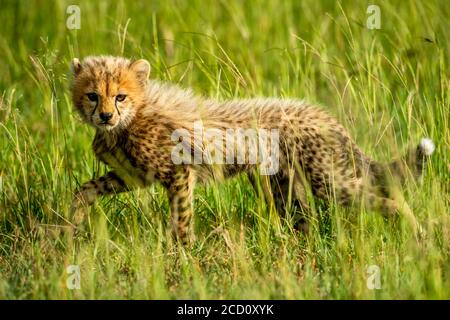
(121, 97)
(92, 96)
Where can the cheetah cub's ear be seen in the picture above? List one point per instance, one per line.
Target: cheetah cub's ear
(75, 66)
(141, 68)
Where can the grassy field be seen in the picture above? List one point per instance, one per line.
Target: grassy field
(388, 86)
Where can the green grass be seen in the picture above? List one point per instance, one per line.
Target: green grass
(389, 87)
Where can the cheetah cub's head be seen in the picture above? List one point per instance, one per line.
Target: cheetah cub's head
(106, 90)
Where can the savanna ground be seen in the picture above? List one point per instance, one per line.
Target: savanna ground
(388, 86)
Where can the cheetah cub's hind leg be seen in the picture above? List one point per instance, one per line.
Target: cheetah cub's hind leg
(302, 207)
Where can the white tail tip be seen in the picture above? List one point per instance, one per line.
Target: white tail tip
(427, 146)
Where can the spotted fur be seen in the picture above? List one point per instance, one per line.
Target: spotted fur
(317, 155)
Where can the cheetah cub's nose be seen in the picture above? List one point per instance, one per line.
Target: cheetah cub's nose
(105, 116)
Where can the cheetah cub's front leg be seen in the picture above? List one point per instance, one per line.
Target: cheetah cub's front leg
(180, 192)
(90, 191)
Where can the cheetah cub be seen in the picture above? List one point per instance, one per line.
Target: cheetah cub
(143, 126)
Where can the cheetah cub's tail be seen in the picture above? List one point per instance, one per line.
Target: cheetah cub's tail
(414, 160)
